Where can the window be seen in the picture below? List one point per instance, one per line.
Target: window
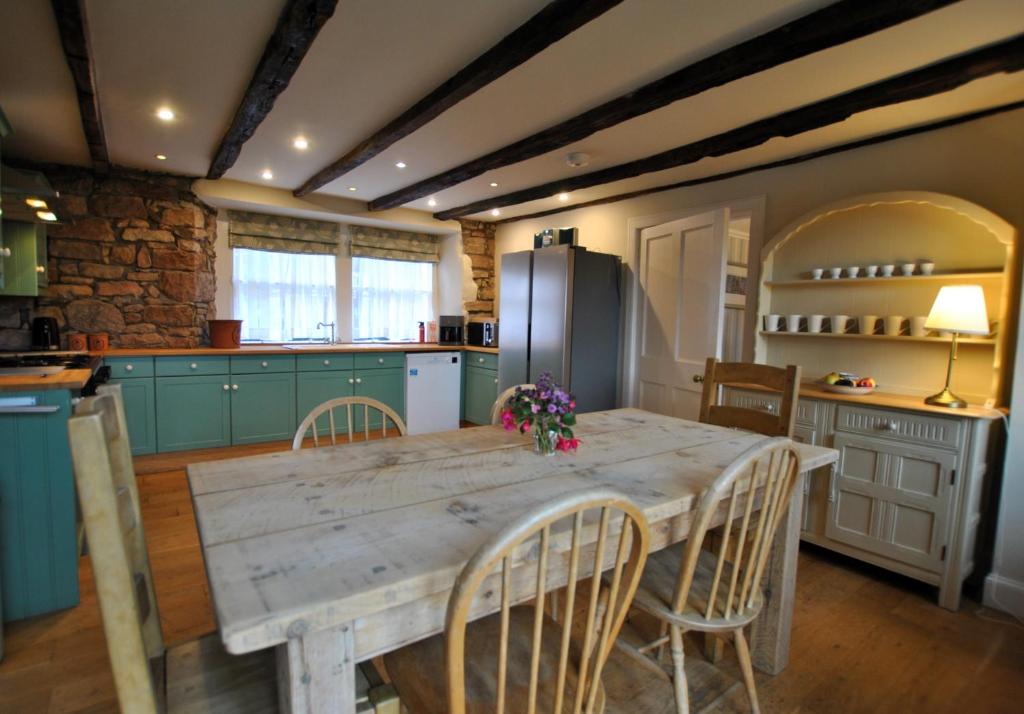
(281, 297)
(389, 297)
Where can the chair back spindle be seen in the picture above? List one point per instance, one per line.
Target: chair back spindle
(580, 655)
(778, 379)
(310, 425)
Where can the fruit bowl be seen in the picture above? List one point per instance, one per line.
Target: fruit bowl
(841, 389)
(847, 383)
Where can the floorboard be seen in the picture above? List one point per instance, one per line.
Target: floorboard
(863, 640)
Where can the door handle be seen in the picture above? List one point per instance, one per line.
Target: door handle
(698, 379)
(832, 483)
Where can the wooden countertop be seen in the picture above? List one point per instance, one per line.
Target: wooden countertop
(68, 379)
(281, 349)
(888, 400)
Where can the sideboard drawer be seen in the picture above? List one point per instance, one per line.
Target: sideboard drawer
(258, 364)
(916, 428)
(187, 365)
(129, 367)
(483, 360)
(379, 360)
(806, 409)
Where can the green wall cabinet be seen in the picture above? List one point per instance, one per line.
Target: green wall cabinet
(192, 412)
(139, 397)
(313, 388)
(481, 391)
(262, 407)
(38, 539)
(24, 270)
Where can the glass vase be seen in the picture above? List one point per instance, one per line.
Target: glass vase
(544, 441)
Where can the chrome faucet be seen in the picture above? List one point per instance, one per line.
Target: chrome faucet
(330, 325)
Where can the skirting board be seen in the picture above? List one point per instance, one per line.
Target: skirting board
(1005, 595)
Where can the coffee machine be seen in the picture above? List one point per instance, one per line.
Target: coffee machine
(451, 330)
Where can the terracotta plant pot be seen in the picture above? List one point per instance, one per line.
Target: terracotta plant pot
(225, 334)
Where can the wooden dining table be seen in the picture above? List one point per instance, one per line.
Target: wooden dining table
(339, 554)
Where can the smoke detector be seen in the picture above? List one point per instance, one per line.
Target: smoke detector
(577, 159)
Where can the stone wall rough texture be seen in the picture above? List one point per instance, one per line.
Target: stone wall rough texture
(478, 244)
(135, 259)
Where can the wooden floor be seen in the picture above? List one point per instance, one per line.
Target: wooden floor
(863, 640)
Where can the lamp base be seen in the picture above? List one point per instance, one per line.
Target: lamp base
(946, 398)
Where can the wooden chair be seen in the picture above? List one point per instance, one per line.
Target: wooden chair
(197, 676)
(519, 659)
(784, 380)
(503, 399)
(328, 407)
(718, 591)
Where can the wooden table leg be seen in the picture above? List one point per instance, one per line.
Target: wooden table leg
(771, 630)
(316, 672)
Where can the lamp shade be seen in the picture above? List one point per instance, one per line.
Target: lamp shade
(959, 308)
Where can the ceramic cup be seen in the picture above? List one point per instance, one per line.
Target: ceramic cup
(793, 323)
(78, 342)
(838, 324)
(771, 323)
(907, 268)
(866, 324)
(871, 271)
(926, 267)
(917, 328)
(835, 272)
(814, 323)
(893, 325)
(853, 271)
(887, 270)
(817, 273)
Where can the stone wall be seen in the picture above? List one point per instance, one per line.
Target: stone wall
(135, 259)
(478, 244)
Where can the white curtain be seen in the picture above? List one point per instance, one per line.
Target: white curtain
(389, 297)
(281, 297)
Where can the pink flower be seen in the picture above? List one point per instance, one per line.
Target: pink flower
(572, 404)
(507, 420)
(567, 445)
(525, 426)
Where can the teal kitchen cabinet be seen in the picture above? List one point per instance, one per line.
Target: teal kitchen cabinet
(315, 387)
(138, 389)
(385, 385)
(38, 539)
(192, 412)
(481, 391)
(262, 407)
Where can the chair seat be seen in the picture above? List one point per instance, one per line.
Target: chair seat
(658, 584)
(418, 670)
(203, 678)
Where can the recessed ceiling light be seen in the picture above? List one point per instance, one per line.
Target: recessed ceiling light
(577, 159)
(563, 197)
(400, 165)
(352, 188)
(495, 212)
(300, 143)
(165, 114)
(36, 202)
(46, 215)
(494, 184)
(161, 157)
(431, 202)
(267, 174)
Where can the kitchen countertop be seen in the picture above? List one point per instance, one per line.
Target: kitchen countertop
(67, 379)
(908, 402)
(280, 349)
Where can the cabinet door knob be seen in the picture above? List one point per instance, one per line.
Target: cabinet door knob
(264, 364)
(698, 378)
(129, 368)
(351, 381)
(887, 426)
(380, 360)
(480, 360)
(234, 387)
(40, 269)
(770, 408)
(193, 366)
(327, 363)
(5, 252)
(359, 380)
(495, 380)
(226, 387)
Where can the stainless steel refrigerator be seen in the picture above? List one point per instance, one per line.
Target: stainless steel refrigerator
(560, 313)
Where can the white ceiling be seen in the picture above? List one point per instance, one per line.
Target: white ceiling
(374, 58)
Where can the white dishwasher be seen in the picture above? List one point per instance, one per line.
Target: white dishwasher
(433, 391)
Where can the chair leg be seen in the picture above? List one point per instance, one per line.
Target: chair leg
(743, 654)
(679, 673)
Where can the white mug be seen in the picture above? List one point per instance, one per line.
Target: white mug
(771, 323)
(871, 270)
(893, 325)
(835, 272)
(866, 324)
(908, 268)
(816, 273)
(814, 323)
(926, 267)
(853, 271)
(793, 323)
(917, 328)
(839, 323)
(887, 270)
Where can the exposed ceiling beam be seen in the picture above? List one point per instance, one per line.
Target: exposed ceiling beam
(296, 28)
(860, 143)
(1007, 56)
(74, 37)
(830, 26)
(558, 19)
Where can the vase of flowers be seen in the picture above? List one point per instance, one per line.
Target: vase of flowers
(547, 411)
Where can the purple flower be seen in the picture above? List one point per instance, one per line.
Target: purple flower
(535, 407)
(552, 408)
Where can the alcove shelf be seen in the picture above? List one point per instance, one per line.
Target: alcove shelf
(978, 341)
(876, 281)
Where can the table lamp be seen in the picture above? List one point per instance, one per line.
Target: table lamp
(959, 309)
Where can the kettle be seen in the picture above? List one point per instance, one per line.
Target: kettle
(45, 334)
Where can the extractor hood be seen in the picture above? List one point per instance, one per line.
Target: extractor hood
(28, 196)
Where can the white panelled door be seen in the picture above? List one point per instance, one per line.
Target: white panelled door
(682, 280)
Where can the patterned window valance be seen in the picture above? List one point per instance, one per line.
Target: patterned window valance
(368, 242)
(285, 234)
